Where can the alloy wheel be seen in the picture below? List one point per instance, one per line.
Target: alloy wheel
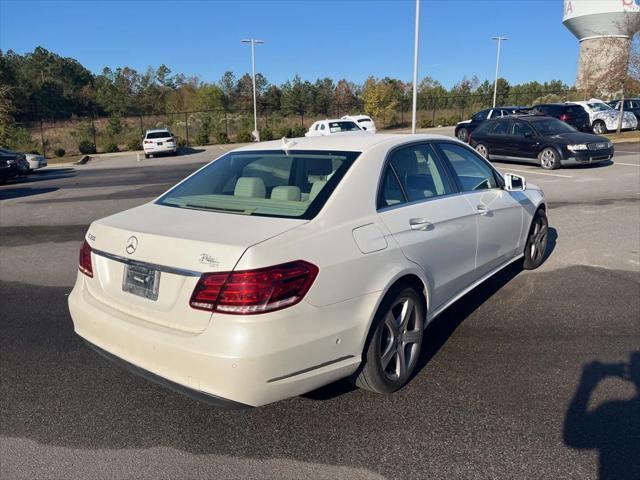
(400, 339)
(548, 159)
(538, 240)
(482, 150)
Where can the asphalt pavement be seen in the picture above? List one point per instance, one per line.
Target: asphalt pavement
(506, 386)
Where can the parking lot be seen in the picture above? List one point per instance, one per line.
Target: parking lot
(502, 390)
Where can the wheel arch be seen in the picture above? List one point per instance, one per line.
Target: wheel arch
(411, 275)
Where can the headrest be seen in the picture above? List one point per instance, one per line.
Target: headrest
(286, 193)
(250, 187)
(315, 189)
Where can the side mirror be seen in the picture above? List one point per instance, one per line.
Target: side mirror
(514, 183)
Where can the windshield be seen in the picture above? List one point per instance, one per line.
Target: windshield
(164, 134)
(269, 183)
(344, 126)
(599, 107)
(553, 126)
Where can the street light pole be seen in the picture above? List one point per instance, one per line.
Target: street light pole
(253, 43)
(415, 67)
(495, 84)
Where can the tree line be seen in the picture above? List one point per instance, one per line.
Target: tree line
(44, 85)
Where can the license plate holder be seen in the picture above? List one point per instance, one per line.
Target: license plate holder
(141, 280)
(159, 143)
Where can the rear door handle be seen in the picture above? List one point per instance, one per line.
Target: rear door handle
(482, 210)
(419, 224)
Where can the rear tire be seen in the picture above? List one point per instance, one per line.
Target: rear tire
(393, 346)
(146, 155)
(537, 239)
(599, 127)
(549, 159)
(483, 150)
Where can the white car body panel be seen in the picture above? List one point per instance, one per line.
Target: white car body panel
(360, 251)
(321, 128)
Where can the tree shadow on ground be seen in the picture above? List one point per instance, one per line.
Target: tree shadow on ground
(613, 427)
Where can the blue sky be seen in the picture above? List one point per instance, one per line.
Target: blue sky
(350, 39)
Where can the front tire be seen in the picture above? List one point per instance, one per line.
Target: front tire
(463, 135)
(549, 159)
(599, 127)
(393, 347)
(536, 246)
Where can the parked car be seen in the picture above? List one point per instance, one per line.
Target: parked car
(630, 105)
(332, 127)
(9, 166)
(364, 121)
(539, 139)
(20, 161)
(286, 265)
(35, 161)
(159, 140)
(465, 127)
(605, 119)
(574, 115)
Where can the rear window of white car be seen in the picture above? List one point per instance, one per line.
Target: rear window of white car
(269, 183)
(344, 126)
(164, 134)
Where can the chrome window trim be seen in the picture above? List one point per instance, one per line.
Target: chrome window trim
(161, 268)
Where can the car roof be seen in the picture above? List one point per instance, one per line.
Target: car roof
(157, 130)
(527, 117)
(350, 142)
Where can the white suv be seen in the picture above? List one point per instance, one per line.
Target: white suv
(605, 119)
(365, 122)
(158, 140)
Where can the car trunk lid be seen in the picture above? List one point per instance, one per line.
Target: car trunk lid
(147, 260)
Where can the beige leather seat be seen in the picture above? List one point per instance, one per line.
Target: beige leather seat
(250, 187)
(286, 193)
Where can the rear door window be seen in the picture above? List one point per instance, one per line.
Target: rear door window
(472, 172)
(501, 127)
(419, 174)
(521, 129)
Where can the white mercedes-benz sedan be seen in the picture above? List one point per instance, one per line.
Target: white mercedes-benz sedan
(283, 266)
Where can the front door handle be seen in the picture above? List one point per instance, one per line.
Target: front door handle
(419, 224)
(482, 210)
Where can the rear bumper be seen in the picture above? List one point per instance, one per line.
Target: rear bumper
(237, 360)
(176, 387)
(160, 149)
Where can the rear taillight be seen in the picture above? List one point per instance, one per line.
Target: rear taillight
(148, 141)
(254, 291)
(564, 117)
(84, 262)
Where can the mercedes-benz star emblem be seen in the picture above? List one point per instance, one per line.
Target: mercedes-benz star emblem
(132, 244)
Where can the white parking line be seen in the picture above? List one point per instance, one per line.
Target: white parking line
(537, 173)
(627, 164)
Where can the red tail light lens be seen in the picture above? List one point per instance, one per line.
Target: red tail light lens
(84, 263)
(254, 291)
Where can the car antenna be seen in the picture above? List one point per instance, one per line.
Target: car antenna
(287, 144)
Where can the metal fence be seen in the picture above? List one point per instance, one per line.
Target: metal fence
(221, 126)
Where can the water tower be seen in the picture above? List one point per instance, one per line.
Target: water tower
(604, 29)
